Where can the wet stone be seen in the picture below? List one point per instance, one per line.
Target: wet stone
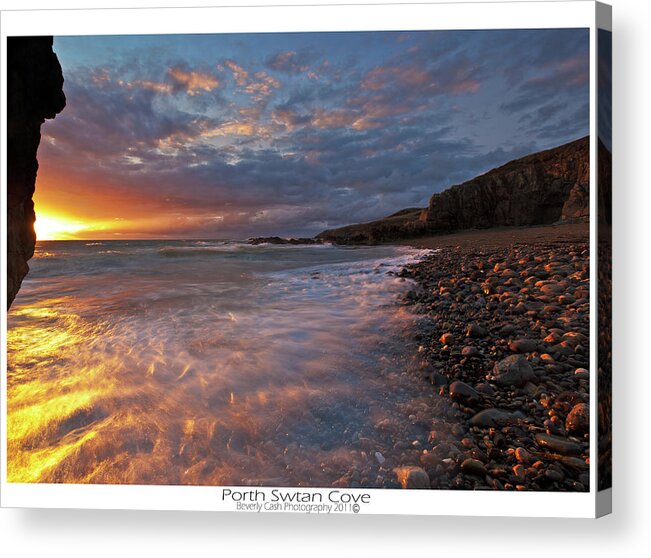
(460, 391)
(514, 370)
(485, 388)
(523, 346)
(475, 331)
(447, 339)
(470, 352)
(557, 444)
(472, 466)
(522, 455)
(412, 477)
(490, 418)
(554, 476)
(519, 472)
(578, 419)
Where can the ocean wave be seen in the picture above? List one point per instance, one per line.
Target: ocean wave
(187, 251)
(211, 249)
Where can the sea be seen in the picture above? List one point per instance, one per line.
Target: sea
(213, 363)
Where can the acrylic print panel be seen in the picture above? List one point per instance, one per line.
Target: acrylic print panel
(283, 265)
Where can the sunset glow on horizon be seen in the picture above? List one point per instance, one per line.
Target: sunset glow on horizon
(240, 135)
(56, 227)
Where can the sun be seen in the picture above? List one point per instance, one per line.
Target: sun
(50, 227)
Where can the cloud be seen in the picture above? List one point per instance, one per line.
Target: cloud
(457, 77)
(155, 86)
(258, 85)
(290, 62)
(561, 75)
(262, 86)
(544, 113)
(380, 78)
(240, 74)
(335, 118)
(270, 138)
(573, 124)
(192, 82)
(287, 118)
(237, 128)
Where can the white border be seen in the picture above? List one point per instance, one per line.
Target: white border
(507, 15)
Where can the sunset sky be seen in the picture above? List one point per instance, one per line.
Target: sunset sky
(231, 136)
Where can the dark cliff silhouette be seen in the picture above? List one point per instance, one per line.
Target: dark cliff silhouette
(34, 93)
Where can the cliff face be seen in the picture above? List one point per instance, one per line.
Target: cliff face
(34, 93)
(542, 188)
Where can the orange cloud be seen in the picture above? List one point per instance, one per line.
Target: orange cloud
(336, 118)
(193, 82)
(237, 128)
(156, 86)
(343, 118)
(365, 123)
(263, 87)
(100, 77)
(283, 58)
(175, 141)
(240, 74)
(259, 86)
(465, 86)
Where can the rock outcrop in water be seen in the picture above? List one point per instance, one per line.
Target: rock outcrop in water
(34, 93)
(543, 188)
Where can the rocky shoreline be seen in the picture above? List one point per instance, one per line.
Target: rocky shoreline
(505, 346)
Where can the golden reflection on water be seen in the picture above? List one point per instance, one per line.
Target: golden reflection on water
(39, 401)
(109, 390)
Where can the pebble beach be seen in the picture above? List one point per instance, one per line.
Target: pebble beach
(504, 342)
